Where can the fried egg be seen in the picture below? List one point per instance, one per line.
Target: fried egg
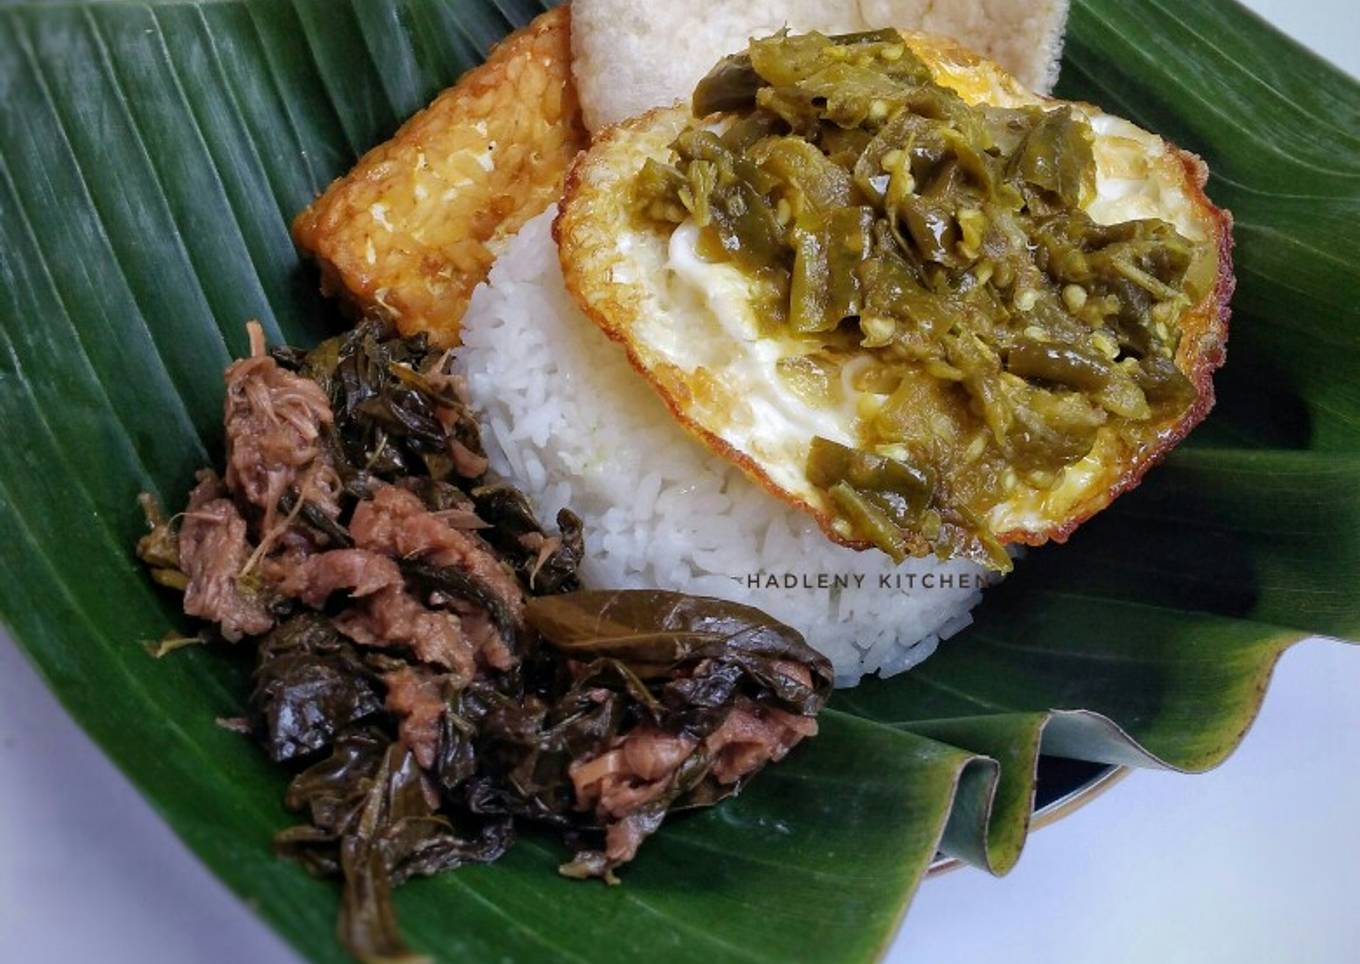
(690, 327)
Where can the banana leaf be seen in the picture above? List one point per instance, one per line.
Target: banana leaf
(151, 156)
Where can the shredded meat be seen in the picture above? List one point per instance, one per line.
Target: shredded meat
(416, 697)
(212, 553)
(652, 755)
(459, 511)
(544, 546)
(274, 421)
(466, 462)
(462, 519)
(623, 837)
(396, 522)
(636, 769)
(752, 735)
(448, 383)
(314, 578)
(385, 614)
(483, 636)
(393, 617)
(208, 486)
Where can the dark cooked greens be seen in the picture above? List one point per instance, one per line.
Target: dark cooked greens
(945, 249)
(651, 632)
(397, 414)
(310, 682)
(373, 821)
(421, 656)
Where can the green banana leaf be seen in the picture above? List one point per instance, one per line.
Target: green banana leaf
(151, 156)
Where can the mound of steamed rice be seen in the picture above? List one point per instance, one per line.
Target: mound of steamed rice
(568, 421)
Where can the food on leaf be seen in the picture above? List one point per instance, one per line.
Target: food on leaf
(923, 306)
(424, 657)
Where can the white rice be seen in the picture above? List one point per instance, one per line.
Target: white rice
(568, 421)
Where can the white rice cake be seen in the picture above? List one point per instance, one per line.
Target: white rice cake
(568, 421)
(629, 56)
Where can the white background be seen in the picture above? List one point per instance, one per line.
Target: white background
(1258, 861)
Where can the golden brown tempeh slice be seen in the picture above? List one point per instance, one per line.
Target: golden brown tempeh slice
(411, 230)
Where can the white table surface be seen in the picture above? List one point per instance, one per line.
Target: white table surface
(1258, 861)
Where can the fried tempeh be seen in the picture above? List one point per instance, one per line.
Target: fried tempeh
(412, 229)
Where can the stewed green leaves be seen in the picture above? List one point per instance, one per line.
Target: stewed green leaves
(435, 699)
